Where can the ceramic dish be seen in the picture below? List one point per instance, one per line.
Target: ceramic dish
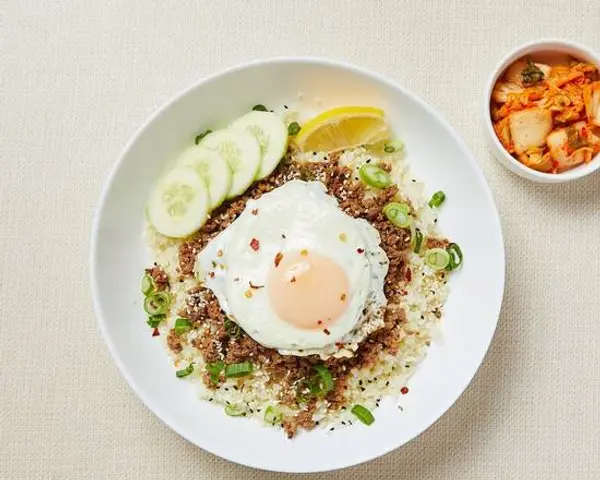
(573, 49)
(436, 155)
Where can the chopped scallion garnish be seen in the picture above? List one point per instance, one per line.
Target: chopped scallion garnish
(321, 383)
(155, 320)
(363, 414)
(147, 285)
(417, 240)
(259, 108)
(232, 328)
(456, 256)
(374, 176)
(202, 135)
(293, 128)
(182, 325)
(214, 370)
(157, 303)
(273, 415)
(437, 199)
(437, 258)
(238, 369)
(397, 213)
(185, 371)
(394, 146)
(234, 410)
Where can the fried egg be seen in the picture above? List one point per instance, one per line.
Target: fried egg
(297, 273)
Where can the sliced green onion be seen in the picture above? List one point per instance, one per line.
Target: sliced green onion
(154, 321)
(234, 410)
(322, 382)
(232, 328)
(456, 256)
(147, 285)
(397, 213)
(363, 414)
(214, 370)
(293, 128)
(394, 146)
(437, 258)
(157, 303)
(259, 108)
(185, 372)
(238, 369)
(374, 176)
(202, 135)
(182, 325)
(417, 240)
(437, 199)
(273, 415)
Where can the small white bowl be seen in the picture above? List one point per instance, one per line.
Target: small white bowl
(561, 46)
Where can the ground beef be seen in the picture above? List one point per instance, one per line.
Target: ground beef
(303, 419)
(437, 242)
(174, 341)
(208, 347)
(160, 278)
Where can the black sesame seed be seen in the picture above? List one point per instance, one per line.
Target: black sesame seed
(343, 423)
(317, 423)
(331, 429)
(360, 382)
(285, 106)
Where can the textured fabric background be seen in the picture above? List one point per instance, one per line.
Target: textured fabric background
(78, 78)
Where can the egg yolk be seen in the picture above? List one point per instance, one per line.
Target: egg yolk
(308, 290)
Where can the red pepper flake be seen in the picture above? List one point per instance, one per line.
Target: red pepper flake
(278, 258)
(211, 274)
(293, 280)
(404, 390)
(254, 212)
(339, 344)
(343, 297)
(155, 332)
(255, 287)
(360, 250)
(319, 322)
(219, 253)
(408, 274)
(254, 244)
(326, 332)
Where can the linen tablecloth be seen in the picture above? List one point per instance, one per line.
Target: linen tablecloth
(78, 78)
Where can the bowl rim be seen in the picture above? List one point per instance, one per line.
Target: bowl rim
(97, 304)
(507, 159)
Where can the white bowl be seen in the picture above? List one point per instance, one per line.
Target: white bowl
(563, 46)
(437, 155)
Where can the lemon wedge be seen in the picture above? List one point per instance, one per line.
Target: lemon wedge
(341, 128)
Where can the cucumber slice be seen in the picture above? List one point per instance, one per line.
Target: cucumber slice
(272, 135)
(242, 152)
(178, 204)
(212, 168)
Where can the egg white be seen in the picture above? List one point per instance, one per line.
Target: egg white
(298, 215)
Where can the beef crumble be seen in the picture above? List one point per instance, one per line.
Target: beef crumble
(159, 277)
